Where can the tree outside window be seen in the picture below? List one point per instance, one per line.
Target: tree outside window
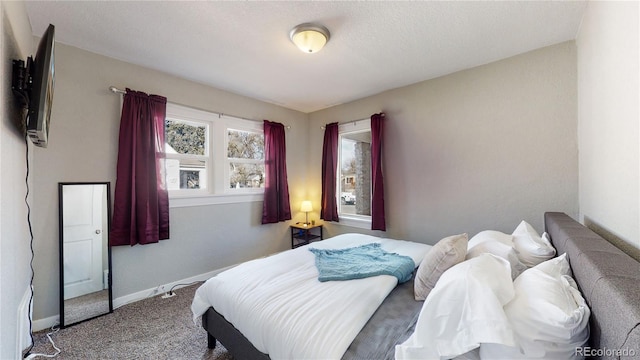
(245, 154)
(355, 173)
(185, 146)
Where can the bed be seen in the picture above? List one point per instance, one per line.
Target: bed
(608, 280)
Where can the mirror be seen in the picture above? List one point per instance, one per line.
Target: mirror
(85, 254)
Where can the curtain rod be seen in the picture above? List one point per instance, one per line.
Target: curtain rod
(353, 121)
(115, 90)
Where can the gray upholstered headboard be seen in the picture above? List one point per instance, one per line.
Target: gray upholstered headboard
(610, 282)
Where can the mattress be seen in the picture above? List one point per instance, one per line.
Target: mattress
(391, 324)
(284, 311)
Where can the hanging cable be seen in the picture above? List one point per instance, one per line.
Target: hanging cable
(174, 286)
(54, 330)
(28, 354)
(26, 200)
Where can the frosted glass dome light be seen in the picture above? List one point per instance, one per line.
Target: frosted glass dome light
(309, 38)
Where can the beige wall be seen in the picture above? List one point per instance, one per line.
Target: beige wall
(478, 149)
(83, 147)
(609, 121)
(15, 255)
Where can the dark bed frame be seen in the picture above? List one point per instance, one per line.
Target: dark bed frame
(231, 338)
(608, 278)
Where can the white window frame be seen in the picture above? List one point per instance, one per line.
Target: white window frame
(192, 117)
(217, 190)
(250, 126)
(354, 220)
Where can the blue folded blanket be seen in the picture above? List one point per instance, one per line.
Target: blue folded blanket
(361, 262)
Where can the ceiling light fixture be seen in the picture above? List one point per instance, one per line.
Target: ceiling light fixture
(309, 38)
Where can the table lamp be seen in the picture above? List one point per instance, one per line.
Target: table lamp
(306, 207)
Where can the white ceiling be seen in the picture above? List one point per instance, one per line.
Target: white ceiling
(244, 47)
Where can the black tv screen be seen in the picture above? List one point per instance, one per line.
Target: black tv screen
(41, 99)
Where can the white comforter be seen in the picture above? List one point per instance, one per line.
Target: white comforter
(280, 306)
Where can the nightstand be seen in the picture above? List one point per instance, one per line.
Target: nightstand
(302, 234)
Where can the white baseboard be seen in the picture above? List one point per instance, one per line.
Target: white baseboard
(47, 323)
(24, 314)
(144, 294)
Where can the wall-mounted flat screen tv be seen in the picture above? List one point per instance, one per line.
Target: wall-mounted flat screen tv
(33, 86)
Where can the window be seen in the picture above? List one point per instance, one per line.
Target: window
(245, 156)
(354, 173)
(212, 158)
(187, 152)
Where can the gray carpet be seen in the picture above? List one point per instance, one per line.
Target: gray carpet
(153, 328)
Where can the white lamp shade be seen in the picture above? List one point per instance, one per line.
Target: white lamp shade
(306, 206)
(309, 38)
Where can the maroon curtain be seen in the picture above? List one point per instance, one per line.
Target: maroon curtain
(276, 206)
(377, 198)
(329, 206)
(141, 201)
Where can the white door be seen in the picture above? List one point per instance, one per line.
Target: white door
(83, 239)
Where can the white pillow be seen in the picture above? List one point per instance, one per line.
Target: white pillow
(550, 318)
(496, 243)
(464, 309)
(443, 255)
(501, 250)
(491, 235)
(531, 248)
(557, 266)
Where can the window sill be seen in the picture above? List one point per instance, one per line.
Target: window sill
(177, 201)
(355, 221)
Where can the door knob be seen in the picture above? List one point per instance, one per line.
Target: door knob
(98, 231)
